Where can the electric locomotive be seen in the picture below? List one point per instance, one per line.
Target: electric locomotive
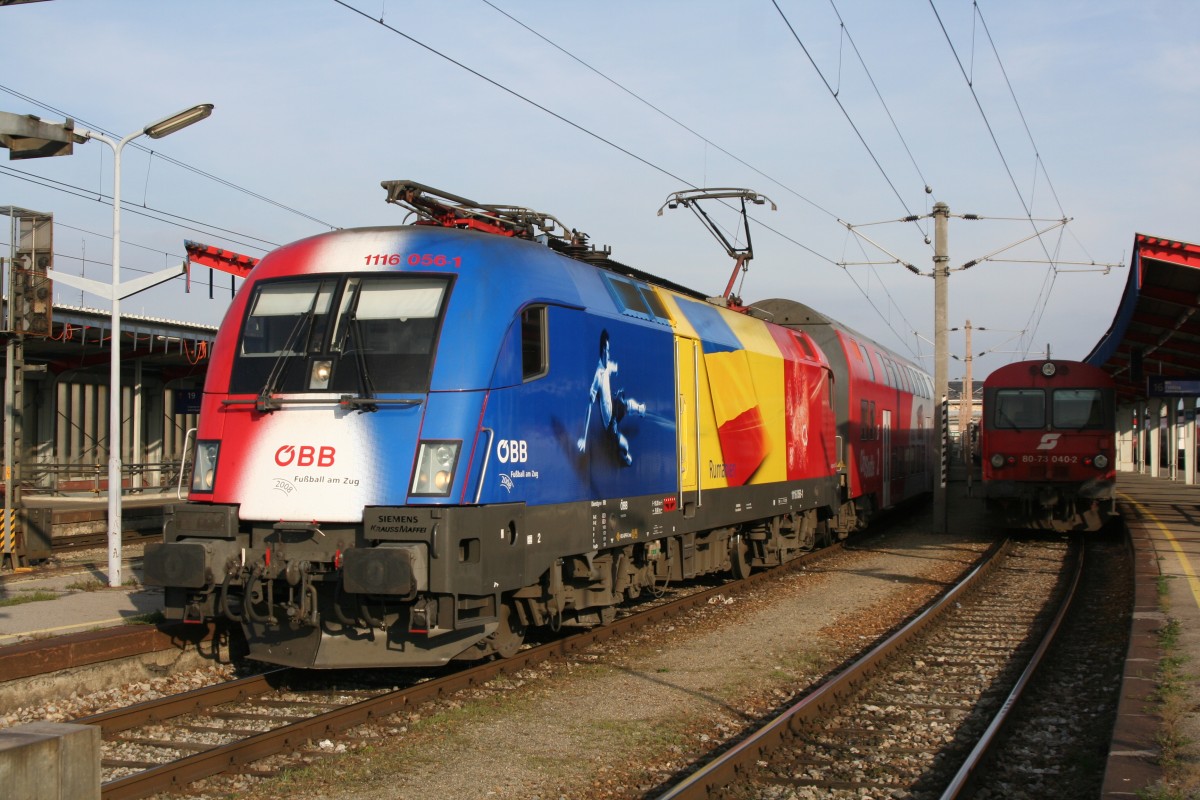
(416, 442)
(1047, 439)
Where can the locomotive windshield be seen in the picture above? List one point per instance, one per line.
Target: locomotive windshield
(1020, 408)
(1074, 409)
(340, 334)
(1081, 409)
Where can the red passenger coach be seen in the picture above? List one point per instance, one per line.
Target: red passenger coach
(884, 407)
(1047, 445)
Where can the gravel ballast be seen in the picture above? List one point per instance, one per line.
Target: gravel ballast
(620, 719)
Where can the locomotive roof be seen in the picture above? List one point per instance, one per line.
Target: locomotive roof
(1027, 373)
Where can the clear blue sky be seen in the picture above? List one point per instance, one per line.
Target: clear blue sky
(316, 104)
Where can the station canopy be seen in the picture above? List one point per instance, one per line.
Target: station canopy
(1156, 331)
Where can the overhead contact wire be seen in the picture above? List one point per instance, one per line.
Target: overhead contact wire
(708, 141)
(845, 113)
(660, 111)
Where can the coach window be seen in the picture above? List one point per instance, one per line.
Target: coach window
(1020, 408)
(804, 345)
(1080, 409)
(534, 361)
(864, 421)
(867, 358)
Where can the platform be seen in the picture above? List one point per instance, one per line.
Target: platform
(1163, 519)
(75, 602)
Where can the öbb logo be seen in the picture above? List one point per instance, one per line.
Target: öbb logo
(512, 451)
(305, 455)
(1049, 441)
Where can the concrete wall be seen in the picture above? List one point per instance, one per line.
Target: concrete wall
(50, 761)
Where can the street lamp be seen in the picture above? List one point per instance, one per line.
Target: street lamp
(115, 293)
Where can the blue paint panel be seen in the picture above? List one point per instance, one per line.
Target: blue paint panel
(535, 455)
(497, 276)
(714, 333)
(393, 429)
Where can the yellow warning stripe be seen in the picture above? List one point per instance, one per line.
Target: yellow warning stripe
(1188, 570)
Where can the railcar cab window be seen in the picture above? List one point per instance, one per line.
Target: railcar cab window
(1080, 409)
(1020, 408)
(340, 334)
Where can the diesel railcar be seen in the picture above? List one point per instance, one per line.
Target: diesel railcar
(416, 442)
(1046, 445)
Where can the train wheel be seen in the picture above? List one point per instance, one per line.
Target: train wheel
(508, 638)
(737, 557)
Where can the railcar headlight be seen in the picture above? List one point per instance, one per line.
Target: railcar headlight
(997, 460)
(1101, 461)
(434, 475)
(204, 466)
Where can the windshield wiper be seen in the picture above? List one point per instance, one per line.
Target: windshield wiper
(266, 401)
(366, 387)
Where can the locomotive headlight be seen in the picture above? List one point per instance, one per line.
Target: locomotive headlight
(997, 460)
(434, 475)
(319, 377)
(1101, 461)
(204, 466)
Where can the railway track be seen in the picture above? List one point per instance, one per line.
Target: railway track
(164, 745)
(94, 541)
(915, 716)
(63, 562)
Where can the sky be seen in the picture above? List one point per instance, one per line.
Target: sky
(849, 116)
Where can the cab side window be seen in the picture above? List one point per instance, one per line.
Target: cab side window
(535, 360)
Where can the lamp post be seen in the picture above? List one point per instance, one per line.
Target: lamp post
(115, 293)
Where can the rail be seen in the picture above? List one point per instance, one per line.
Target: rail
(739, 763)
(292, 733)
